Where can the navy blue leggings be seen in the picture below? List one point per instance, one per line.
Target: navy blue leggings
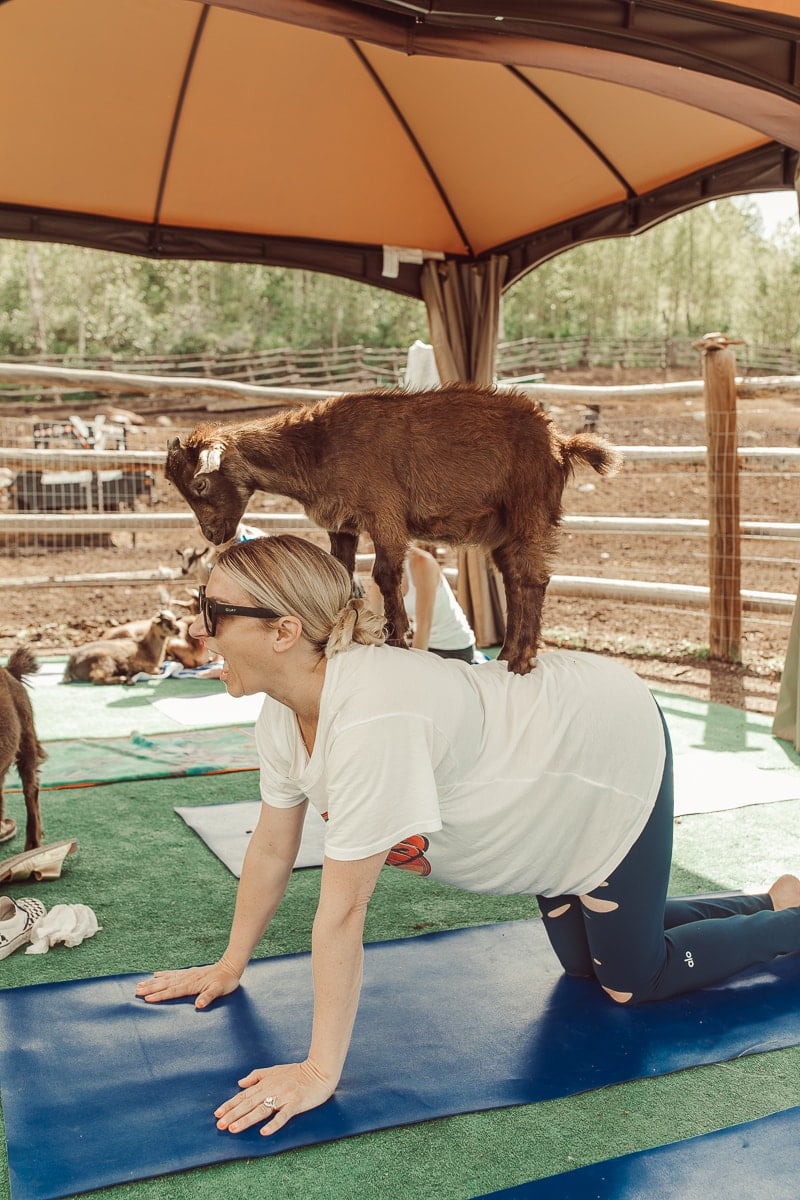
(642, 946)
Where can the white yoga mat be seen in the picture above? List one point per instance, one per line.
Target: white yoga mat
(226, 830)
(707, 781)
(203, 712)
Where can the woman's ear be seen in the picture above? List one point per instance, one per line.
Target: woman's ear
(288, 632)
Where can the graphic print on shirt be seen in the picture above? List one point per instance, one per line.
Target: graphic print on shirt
(408, 855)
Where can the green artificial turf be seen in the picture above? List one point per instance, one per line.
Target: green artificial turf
(164, 900)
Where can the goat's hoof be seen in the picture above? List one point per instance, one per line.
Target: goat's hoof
(522, 666)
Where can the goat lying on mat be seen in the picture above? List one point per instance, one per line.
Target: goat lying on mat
(461, 464)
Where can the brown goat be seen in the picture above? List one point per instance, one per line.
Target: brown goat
(189, 651)
(183, 648)
(18, 740)
(461, 464)
(117, 660)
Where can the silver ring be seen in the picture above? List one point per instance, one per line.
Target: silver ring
(271, 1102)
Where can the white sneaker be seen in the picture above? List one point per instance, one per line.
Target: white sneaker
(17, 919)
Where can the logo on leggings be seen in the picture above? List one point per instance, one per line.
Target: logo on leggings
(687, 958)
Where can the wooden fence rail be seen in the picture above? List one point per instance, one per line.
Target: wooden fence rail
(349, 367)
(722, 456)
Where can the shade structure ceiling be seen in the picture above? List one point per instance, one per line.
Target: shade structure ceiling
(319, 135)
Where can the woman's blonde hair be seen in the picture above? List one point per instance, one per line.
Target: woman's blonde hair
(291, 575)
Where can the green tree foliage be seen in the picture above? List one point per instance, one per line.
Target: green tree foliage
(710, 268)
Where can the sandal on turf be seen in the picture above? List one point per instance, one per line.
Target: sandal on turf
(17, 919)
(44, 862)
(7, 829)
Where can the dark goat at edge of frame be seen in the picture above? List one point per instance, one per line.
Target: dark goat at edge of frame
(461, 464)
(18, 741)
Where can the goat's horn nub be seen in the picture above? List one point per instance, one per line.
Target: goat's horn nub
(209, 459)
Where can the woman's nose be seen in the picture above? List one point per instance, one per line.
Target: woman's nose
(197, 629)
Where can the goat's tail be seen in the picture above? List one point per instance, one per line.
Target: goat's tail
(593, 451)
(22, 662)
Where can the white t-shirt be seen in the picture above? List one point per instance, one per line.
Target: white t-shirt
(450, 629)
(475, 776)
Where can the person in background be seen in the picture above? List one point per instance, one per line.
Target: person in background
(437, 620)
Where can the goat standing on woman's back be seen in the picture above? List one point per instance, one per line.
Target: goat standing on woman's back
(461, 464)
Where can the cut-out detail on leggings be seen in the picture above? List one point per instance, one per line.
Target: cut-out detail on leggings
(620, 997)
(599, 906)
(559, 912)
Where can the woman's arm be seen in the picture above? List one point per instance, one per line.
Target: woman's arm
(337, 954)
(424, 571)
(267, 868)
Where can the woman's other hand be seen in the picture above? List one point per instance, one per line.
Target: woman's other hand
(274, 1095)
(206, 983)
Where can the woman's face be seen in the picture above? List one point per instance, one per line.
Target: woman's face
(242, 641)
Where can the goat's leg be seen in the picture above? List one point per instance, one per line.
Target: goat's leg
(388, 574)
(2, 794)
(29, 757)
(344, 544)
(525, 577)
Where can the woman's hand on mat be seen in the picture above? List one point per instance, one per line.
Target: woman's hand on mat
(206, 983)
(276, 1094)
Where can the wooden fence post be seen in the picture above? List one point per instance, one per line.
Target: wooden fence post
(724, 549)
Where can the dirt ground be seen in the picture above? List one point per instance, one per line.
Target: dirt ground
(665, 644)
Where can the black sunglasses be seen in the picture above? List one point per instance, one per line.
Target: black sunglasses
(212, 610)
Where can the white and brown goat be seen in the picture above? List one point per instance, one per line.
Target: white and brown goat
(189, 651)
(461, 464)
(117, 660)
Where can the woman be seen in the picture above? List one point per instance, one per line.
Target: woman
(437, 620)
(557, 783)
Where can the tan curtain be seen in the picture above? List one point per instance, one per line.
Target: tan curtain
(787, 711)
(786, 723)
(463, 303)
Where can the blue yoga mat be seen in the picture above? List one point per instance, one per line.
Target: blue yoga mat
(759, 1158)
(454, 1022)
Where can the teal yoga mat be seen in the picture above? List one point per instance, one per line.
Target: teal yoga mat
(82, 762)
(463, 1021)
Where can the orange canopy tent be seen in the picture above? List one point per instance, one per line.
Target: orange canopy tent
(361, 138)
(438, 149)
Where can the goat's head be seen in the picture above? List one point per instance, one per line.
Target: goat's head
(204, 470)
(167, 623)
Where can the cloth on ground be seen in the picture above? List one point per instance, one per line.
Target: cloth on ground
(67, 923)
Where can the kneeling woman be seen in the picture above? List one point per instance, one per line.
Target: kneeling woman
(557, 783)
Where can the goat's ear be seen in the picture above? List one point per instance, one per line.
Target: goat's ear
(210, 459)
